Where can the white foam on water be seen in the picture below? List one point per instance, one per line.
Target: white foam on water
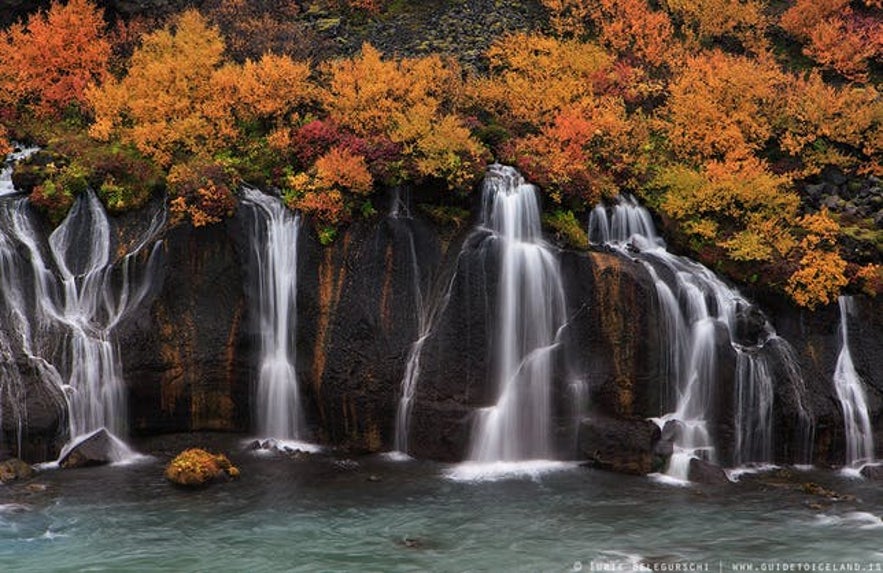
(269, 445)
(669, 480)
(734, 474)
(495, 471)
(859, 519)
(396, 456)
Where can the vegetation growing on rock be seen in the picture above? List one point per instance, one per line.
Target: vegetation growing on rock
(702, 109)
(196, 467)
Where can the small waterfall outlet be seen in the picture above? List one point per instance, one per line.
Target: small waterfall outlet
(530, 312)
(697, 309)
(64, 298)
(853, 400)
(279, 412)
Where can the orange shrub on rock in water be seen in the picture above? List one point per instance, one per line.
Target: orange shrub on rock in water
(196, 467)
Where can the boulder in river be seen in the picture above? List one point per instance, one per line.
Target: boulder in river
(14, 469)
(97, 449)
(197, 467)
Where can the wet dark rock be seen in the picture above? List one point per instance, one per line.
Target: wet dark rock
(813, 488)
(14, 469)
(95, 450)
(622, 446)
(347, 465)
(873, 472)
(707, 473)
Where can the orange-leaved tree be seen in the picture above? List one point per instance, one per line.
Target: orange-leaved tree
(631, 28)
(819, 276)
(533, 78)
(412, 103)
(836, 35)
(164, 104)
(723, 106)
(708, 22)
(47, 62)
(267, 96)
(827, 125)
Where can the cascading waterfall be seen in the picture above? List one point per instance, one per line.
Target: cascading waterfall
(279, 412)
(693, 303)
(400, 210)
(78, 296)
(853, 400)
(530, 313)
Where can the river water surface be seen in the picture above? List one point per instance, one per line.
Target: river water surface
(325, 513)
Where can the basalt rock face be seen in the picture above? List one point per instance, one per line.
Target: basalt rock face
(189, 351)
(185, 357)
(815, 337)
(359, 302)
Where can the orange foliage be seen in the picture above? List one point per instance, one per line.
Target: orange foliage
(340, 168)
(410, 102)
(201, 191)
(835, 36)
(324, 191)
(163, 106)
(585, 154)
(705, 21)
(820, 273)
(822, 120)
(49, 61)
(723, 106)
(534, 78)
(569, 17)
(627, 27)
(272, 90)
(5, 146)
(737, 204)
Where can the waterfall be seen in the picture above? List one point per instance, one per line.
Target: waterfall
(851, 392)
(6, 186)
(694, 306)
(530, 311)
(65, 322)
(279, 412)
(400, 210)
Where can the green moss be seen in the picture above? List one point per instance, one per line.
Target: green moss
(567, 229)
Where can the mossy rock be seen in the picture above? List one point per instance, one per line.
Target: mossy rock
(14, 469)
(196, 467)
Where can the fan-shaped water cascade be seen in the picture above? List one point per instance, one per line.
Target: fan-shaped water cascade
(77, 296)
(853, 400)
(530, 311)
(279, 412)
(694, 302)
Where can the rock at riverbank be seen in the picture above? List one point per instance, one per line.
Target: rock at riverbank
(14, 469)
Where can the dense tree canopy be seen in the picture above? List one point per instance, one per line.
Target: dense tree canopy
(700, 107)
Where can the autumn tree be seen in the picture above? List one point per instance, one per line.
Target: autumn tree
(411, 103)
(630, 28)
(723, 106)
(533, 78)
(737, 204)
(820, 272)
(707, 22)
(826, 125)
(164, 105)
(47, 62)
(836, 35)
